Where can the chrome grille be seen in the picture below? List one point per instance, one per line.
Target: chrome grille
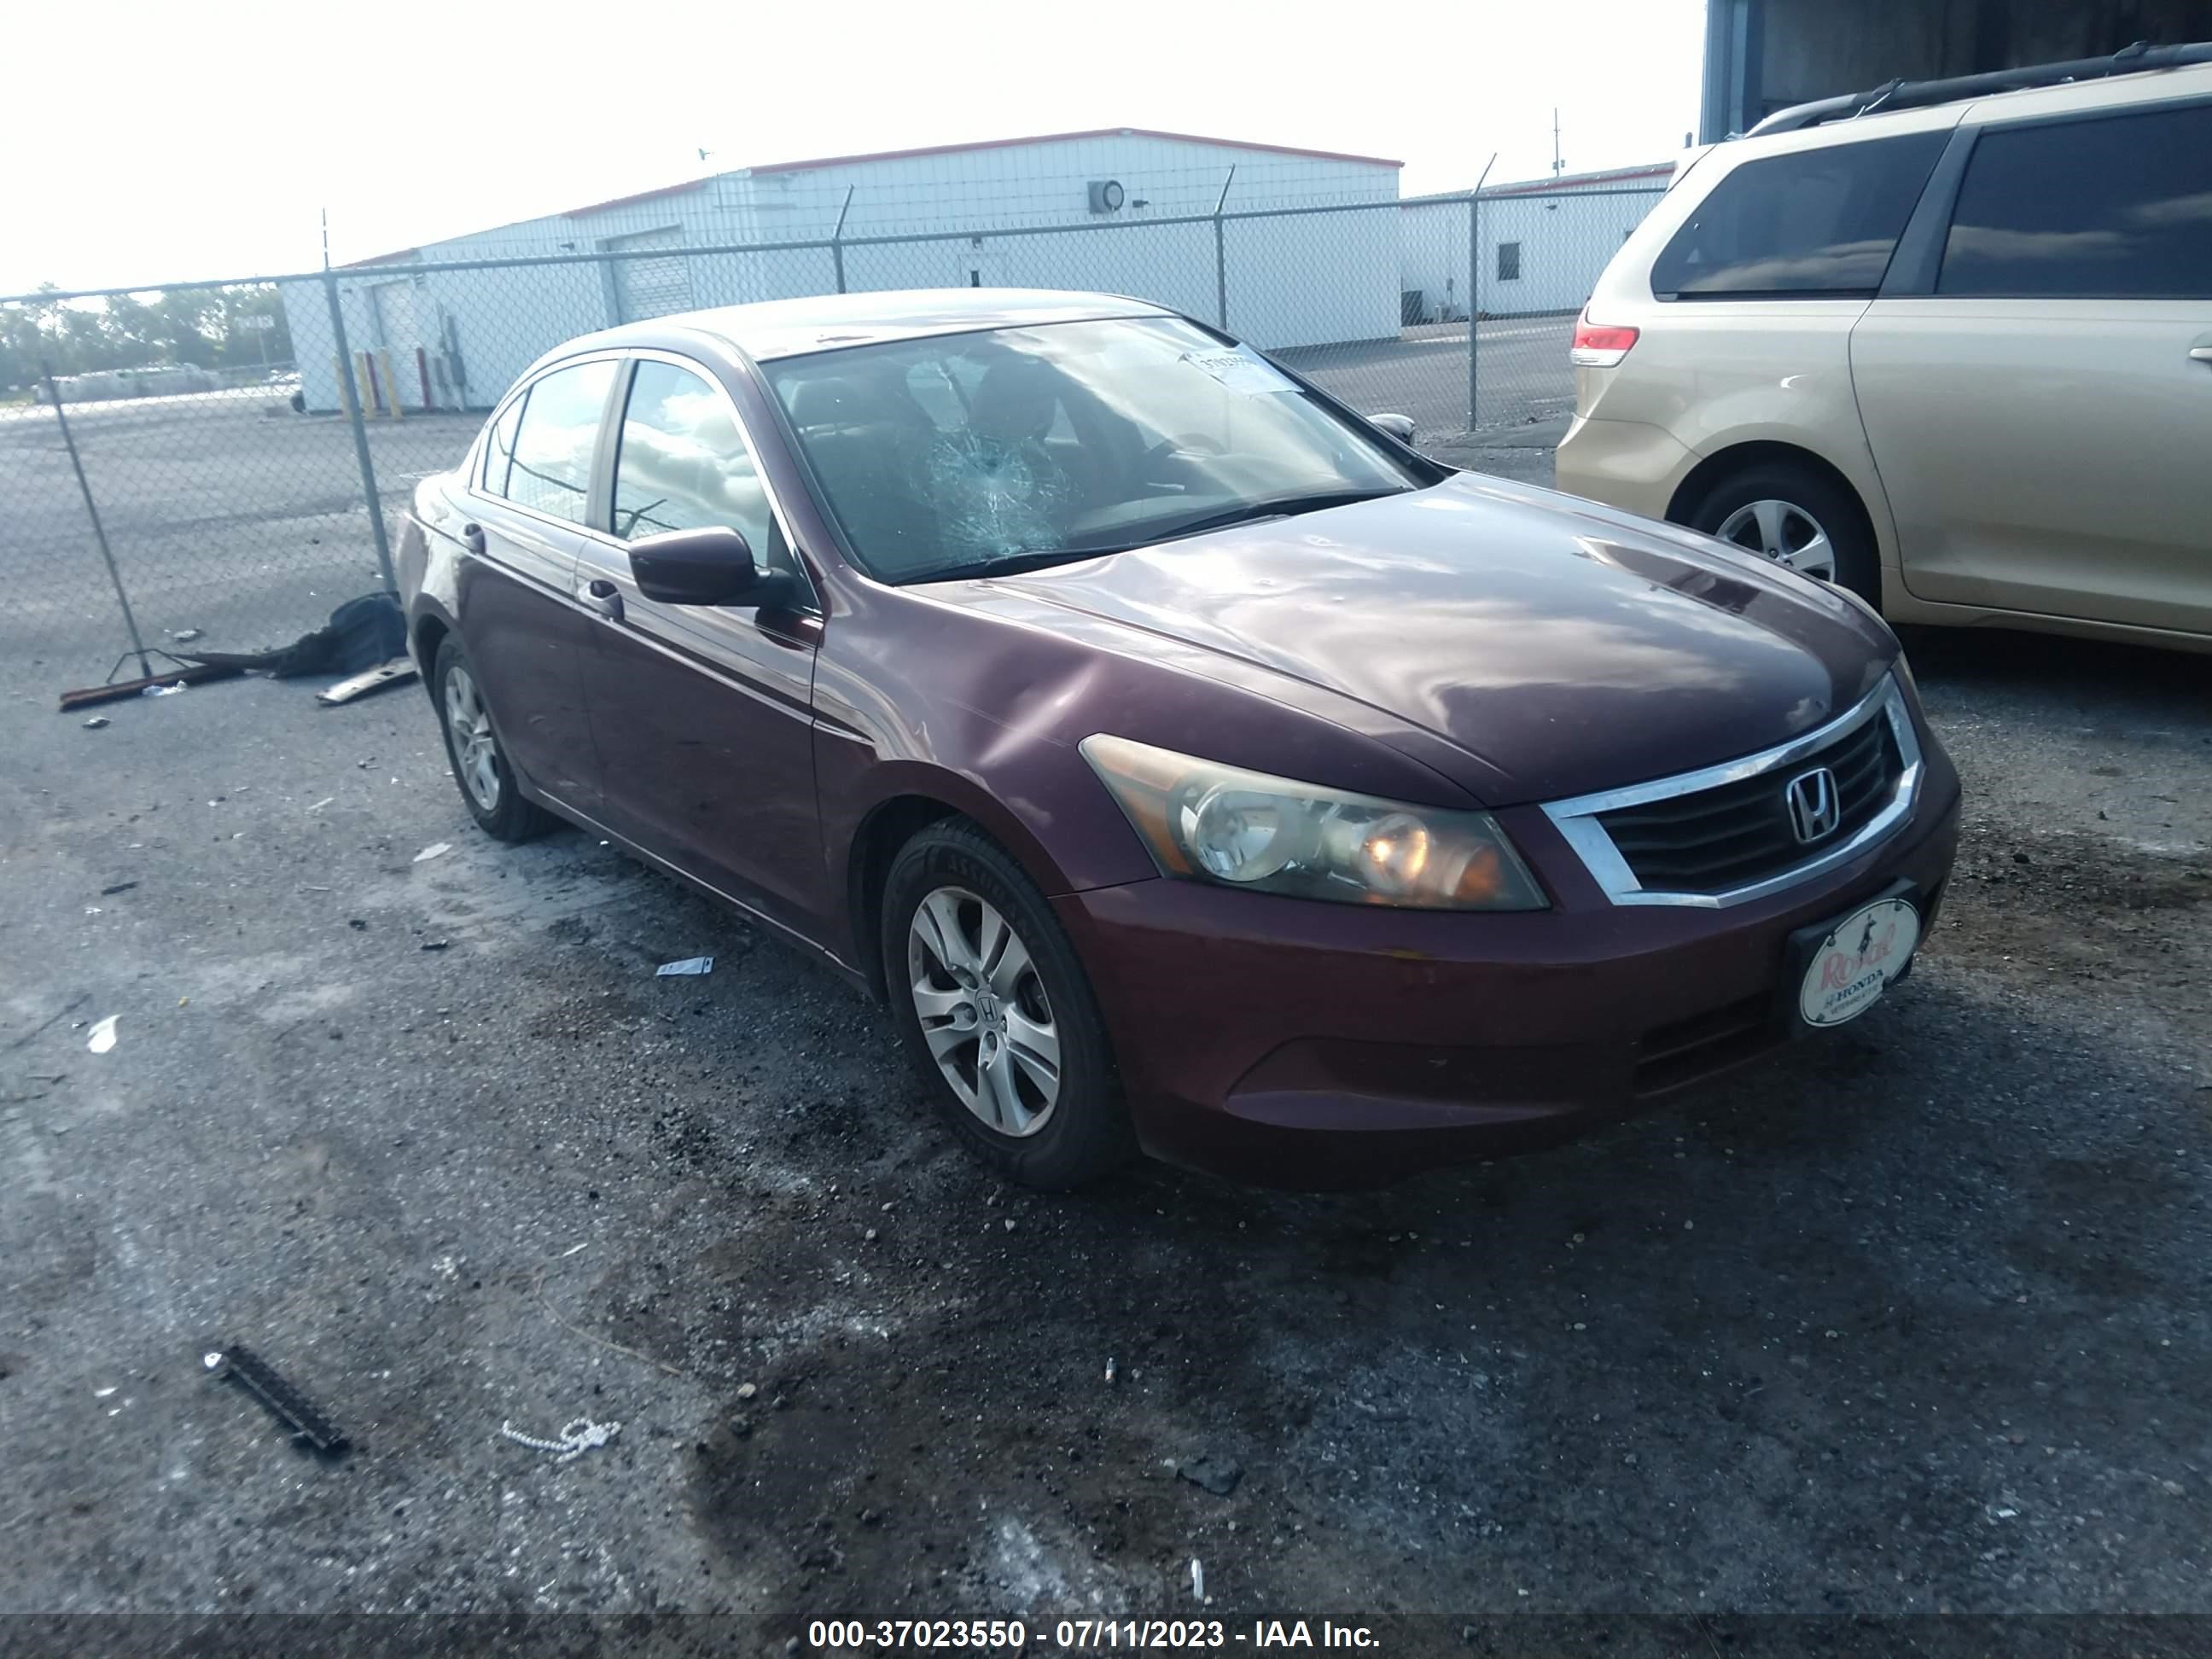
(1728, 833)
(1718, 839)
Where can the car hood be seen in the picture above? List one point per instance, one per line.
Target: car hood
(1527, 645)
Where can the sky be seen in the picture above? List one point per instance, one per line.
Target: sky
(156, 152)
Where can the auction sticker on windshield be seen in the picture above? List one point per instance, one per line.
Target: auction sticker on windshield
(1855, 963)
(1240, 371)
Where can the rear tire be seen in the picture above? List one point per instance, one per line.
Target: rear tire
(997, 1014)
(480, 765)
(1797, 516)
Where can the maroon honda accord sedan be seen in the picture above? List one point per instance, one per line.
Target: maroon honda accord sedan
(1189, 764)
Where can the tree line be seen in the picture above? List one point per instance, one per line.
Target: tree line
(209, 326)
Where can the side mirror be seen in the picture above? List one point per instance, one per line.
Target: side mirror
(712, 565)
(1399, 427)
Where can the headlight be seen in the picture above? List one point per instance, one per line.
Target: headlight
(1205, 822)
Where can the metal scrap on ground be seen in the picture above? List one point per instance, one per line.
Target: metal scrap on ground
(292, 1408)
(396, 671)
(689, 965)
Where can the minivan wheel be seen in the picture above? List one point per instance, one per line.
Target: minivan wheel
(480, 765)
(1796, 517)
(996, 1013)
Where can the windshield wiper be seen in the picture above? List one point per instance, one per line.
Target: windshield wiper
(1010, 564)
(1274, 507)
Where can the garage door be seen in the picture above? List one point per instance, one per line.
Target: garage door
(651, 286)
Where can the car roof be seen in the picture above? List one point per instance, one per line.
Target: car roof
(1783, 130)
(830, 322)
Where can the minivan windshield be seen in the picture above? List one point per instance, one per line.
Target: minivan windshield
(1008, 449)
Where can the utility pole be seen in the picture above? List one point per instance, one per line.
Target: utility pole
(1558, 166)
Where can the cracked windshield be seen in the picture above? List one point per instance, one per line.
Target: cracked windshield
(1018, 447)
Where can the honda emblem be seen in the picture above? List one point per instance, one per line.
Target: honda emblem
(1815, 810)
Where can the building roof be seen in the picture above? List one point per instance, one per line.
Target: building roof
(1065, 137)
(1578, 180)
(1657, 172)
(688, 185)
(986, 143)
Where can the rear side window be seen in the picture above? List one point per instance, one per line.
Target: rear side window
(1820, 224)
(551, 472)
(2119, 207)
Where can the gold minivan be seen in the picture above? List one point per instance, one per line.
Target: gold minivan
(1956, 356)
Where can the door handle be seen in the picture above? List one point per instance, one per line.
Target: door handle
(604, 597)
(472, 538)
(2202, 354)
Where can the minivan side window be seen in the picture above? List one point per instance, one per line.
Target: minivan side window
(1818, 224)
(551, 471)
(2118, 208)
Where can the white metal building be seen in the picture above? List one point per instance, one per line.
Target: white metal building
(1543, 242)
(456, 339)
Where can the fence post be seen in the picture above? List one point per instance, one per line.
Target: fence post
(1221, 257)
(1475, 290)
(98, 532)
(352, 396)
(837, 238)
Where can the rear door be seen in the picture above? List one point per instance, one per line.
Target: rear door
(516, 594)
(2041, 409)
(703, 713)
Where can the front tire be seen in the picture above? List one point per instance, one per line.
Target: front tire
(997, 1013)
(480, 765)
(1797, 517)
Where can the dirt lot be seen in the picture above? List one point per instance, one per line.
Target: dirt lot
(1911, 1318)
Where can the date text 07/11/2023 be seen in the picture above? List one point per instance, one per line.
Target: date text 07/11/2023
(1109, 1633)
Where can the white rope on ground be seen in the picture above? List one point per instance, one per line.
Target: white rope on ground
(575, 1439)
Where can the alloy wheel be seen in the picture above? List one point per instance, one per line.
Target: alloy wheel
(1784, 533)
(984, 1014)
(476, 754)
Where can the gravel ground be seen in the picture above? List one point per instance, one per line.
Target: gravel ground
(1909, 1319)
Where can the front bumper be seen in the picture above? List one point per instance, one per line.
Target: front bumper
(1316, 1045)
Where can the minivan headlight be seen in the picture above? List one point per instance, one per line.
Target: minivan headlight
(1206, 822)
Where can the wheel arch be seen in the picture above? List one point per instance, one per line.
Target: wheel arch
(888, 825)
(1699, 481)
(426, 634)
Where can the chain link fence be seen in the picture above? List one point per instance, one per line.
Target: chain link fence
(220, 464)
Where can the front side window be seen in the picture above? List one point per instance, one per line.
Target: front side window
(2117, 208)
(682, 464)
(499, 447)
(551, 471)
(1819, 224)
(1018, 448)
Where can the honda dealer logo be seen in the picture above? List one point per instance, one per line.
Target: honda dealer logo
(1814, 811)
